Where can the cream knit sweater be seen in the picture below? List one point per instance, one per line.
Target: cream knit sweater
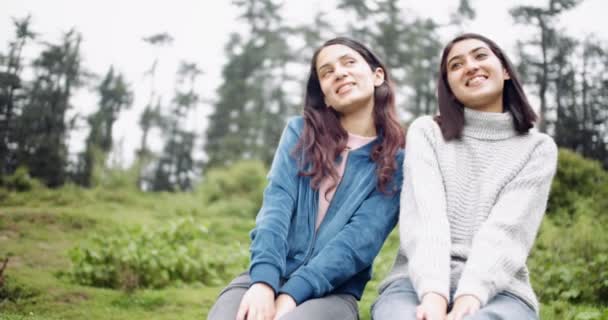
(471, 208)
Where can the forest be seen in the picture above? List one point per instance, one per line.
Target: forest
(84, 236)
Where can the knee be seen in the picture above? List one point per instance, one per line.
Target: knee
(397, 301)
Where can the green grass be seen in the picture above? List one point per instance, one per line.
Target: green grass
(38, 235)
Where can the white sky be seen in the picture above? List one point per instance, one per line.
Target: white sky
(112, 31)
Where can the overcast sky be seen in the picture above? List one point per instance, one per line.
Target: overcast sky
(112, 31)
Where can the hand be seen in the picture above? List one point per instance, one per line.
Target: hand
(283, 305)
(464, 305)
(433, 307)
(257, 303)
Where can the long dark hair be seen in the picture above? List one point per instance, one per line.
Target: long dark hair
(451, 111)
(323, 137)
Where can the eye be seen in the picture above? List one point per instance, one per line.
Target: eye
(455, 65)
(481, 55)
(326, 73)
(350, 61)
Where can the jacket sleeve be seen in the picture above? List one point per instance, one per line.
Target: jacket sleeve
(424, 230)
(351, 250)
(269, 237)
(501, 246)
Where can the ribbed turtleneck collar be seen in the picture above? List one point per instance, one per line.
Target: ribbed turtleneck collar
(488, 125)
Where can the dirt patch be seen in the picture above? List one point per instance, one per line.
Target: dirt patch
(9, 234)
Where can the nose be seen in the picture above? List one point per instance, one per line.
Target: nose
(339, 73)
(471, 66)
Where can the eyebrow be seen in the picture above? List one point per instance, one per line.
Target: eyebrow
(326, 65)
(460, 56)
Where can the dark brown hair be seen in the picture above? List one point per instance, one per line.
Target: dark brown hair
(451, 111)
(323, 137)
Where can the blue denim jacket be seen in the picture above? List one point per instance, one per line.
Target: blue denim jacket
(336, 258)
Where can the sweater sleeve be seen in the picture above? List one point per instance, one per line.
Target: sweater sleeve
(423, 224)
(269, 237)
(351, 250)
(501, 246)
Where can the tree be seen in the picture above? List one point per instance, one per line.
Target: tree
(253, 102)
(539, 66)
(151, 116)
(407, 44)
(114, 96)
(582, 97)
(175, 167)
(10, 97)
(42, 127)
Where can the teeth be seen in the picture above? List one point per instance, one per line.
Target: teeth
(476, 80)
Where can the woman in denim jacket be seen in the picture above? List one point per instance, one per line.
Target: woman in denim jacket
(332, 196)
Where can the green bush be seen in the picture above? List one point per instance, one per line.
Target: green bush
(20, 181)
(569, 263)
(12, 290)
(570, 257)
(235, 190)
(577, 179)
(176, 253)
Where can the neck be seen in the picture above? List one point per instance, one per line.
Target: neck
(360, 121)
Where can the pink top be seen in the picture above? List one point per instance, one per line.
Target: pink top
(354, 142)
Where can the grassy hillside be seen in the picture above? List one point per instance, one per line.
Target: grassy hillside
(116, 253)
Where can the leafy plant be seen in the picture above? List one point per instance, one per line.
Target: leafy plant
(176, 253)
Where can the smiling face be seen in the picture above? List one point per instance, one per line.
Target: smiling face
(476, 76)
(346, 79)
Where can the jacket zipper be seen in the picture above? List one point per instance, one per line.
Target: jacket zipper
(314, 237)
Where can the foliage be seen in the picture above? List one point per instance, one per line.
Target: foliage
(571, 253)
(175, 168)
(569, 264)
(20, 181)
(14, 291)
(178, 252)
(580, 187)
(253, 99)
(235, 190)
(114, 97)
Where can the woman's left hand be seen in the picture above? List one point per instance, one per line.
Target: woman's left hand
(283, 305)
(463, 306)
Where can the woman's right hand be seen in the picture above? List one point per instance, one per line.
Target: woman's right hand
(433, 307)
(257, 303)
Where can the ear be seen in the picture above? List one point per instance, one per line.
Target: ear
(505, 74)
(326, 103)
(378, 77)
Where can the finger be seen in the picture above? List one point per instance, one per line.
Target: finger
(458, 315)
(469, 311)
(252, 314)
(240, 315)
(419, 313)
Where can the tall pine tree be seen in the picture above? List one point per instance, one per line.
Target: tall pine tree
(11, 95)
(114, 96)
(252, 103)
(42, 126)
(175, 168)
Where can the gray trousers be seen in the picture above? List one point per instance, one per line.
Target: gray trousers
(399, 301)
(330, 307)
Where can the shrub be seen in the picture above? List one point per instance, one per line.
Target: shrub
(569, 263)
(20, 181)
(234, 190)
(577, 179)
(154, 258)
